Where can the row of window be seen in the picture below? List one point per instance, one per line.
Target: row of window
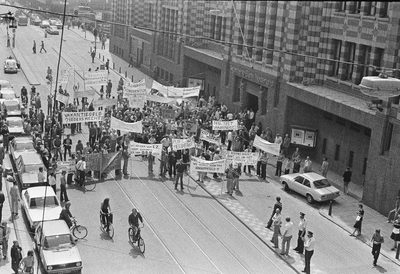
(118, 51)
(337, 155)
(371, 8)
(343, 122)
(165, 75)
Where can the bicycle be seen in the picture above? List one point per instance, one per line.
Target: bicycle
(103, 226)
(79, 231)
(139, 240)
(89, 184)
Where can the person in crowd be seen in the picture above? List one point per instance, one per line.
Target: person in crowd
(278, 204)
(309, 245)
(276, 221)
(377, 240)
(16, 256)
(287, 236)
(346, 180)
(302, 233)
(359, 219)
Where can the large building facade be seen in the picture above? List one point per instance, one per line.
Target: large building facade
(280, 58)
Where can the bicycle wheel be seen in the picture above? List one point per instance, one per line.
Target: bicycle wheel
(90, 184)
(110, 230)
(141, 245)
(130, 235)
(80, 231)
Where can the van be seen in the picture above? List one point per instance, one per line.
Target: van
(10, 66)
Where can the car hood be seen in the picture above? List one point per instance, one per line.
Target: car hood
(51, 213)
(62, 255)
(16, 129)
(288, 176)
(29, 178)
(327, 190)
(14, 112)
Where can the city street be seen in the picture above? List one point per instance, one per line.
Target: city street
(191, 231)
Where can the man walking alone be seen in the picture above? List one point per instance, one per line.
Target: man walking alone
(42, 48)
(34, 47)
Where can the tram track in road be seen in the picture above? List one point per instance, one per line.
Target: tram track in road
(205, 226)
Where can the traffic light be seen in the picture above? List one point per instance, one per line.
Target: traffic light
(95, 32)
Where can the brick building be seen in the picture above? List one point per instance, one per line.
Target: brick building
(223, 45)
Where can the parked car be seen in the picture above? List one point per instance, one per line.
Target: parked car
(12, 107)
(55, 22)
(56, 247)
(313, 186)
(7, 94)
(45, 24)
(15, 125)
(18, 146)
(11, 65)
(27, 166)
(39, 200)
(35, 20)
(52, 30)
(5, 84)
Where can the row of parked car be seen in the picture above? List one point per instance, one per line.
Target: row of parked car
(53, 240)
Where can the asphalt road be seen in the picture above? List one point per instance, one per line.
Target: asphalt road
(188, 231)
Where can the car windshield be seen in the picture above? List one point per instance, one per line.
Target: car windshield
(10, 95)
(321, 183)
(12, 105)
(58, 241)
(14, 123)
(39, 202)
(23, 146)
(33, 168)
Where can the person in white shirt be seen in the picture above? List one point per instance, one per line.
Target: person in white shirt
(309, 244)
(278, 139)
(302, 233)
(52, 182)
(287, 236)
(276, 221)
(41, 177)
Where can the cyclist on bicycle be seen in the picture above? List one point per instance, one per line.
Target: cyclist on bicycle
(133, 220)
(105, 211)
(66, 214)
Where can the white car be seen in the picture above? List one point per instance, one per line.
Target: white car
(27, 166)
(56, 247)
(313, 186)
(33, 203)
(12, 107)
(5, 84)
(7, 94)
(15, 125)
(45, 24)
(11, 66)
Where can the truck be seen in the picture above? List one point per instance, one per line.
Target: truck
(22, 20)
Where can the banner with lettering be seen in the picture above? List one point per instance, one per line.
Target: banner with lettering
(62, 98)
(138, 148)
(64, 77)
(84, 93)
(94, 78)
(167, 113)
(179, 144)
(93, 161)
(82, 117)
(225, 125)
(159, 99)
(127, 127)
(266, 146)
(105, 102)
(245, 158)
(191, 126)
(200, 165)
(135, 93)
(209, 137)
(111, 161)
(173, 92)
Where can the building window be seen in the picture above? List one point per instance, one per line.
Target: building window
(366, 52)
(218, 32)
(342, 5)
(356, 7)
(351, 159)
(388, 137)
(383, 11)
(367, 132)
(328, 116)
(340, 121)
(377, 59)
(370, 8)
(355, 127)
(213, 23)
(351, 55)
(324, 141)
(364, 170)
(337, 151)
(337, 47)
(236, 94)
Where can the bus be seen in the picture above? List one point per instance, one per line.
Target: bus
(22, 20)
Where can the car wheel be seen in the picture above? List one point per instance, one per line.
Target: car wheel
(310, 199)
(285, 186)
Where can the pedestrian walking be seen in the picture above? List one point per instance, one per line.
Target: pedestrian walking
(93, 54)
(296, 160)
(276, 220)
(324, 167)
(377, 240)
(229, 179)
(287, 236)
(309, 245)
(16, 256)
(42, 47)
(302, 233)
(277, 204)
(4, 236)
(236, 175)
(108, 65)
(34, 47)
(81, 168)
(130, 61)
(63, 187)
(125, 156)
(2, 200)
(150, 162)
(180, 167)
(52, 182)
(279, 164)
(346, 180)
(395, 236)
(14, 193)
(359, 219)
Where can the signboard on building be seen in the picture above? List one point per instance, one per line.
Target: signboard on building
(303, 136)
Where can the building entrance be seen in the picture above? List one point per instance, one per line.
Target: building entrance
(252, 102)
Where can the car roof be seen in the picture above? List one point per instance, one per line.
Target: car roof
(23, 140)
(312, 176)
(31, 158)
(40, 191)
(55, 227)
(14, 119)
(7, 90)
(2, 82)
(10, 101)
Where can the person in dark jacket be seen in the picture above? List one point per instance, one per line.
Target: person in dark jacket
(16, 256)
(277, 204)
(346, 180)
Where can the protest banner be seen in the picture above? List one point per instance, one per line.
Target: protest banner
(225, 125)
(135, 93)
(94, 78)
(82, 117)
(191, 126)
(93, 161)
(127, 127)
(173, 92)
(209, 137)
(84, 93)
(105, 102)
(167, 113)
(111, 161)
(179, 144)
(266, 146)
(159, 99)
(62, 98)
(67, 166)
(64, 77)
(199, 165)
(245, 158)
(138, 148)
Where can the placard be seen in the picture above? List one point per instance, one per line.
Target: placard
(94, 78)
(84, 93)
(105, 102)
(124, 126)
(82, 117)
(62, 98)
(225, 125)
(180, 144)
(159, 99)
(135, 93)
(200, 165)
(245, 158)
(171, 91)
(209, 137)
(297, 136)
(138, 148)
(191, 126)
(167, 113)
(266, 146)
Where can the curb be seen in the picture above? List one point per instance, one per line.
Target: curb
(394, 260)
(32, 82)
